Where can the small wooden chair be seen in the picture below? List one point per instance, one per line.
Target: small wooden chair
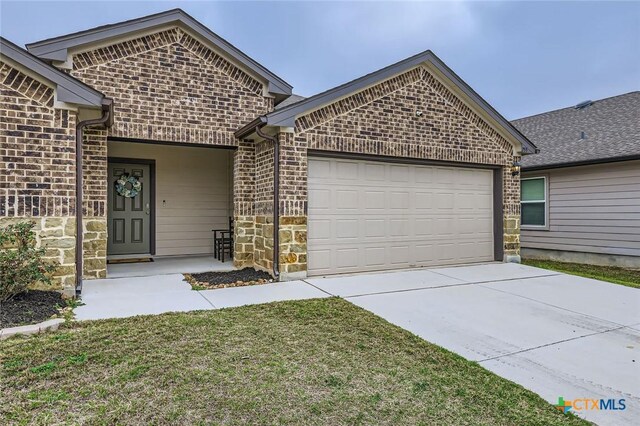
(223, 242)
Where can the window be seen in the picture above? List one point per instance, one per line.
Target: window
(533, 199)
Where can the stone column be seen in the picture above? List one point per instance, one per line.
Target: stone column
(94, 204)
(511, 208)
(243, 204)
(293, 206)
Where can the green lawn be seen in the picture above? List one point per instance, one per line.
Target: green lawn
(623, 276)
(307, 362)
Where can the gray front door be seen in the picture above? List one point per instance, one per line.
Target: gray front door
(129, 217)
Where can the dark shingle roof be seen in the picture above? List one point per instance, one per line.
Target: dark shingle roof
(611, 129)
(290, 101)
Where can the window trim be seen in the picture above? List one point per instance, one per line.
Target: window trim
(544, 227)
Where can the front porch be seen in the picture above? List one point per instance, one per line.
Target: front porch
(184, 193)
(168, 265)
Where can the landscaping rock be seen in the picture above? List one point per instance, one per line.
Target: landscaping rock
(224, 279)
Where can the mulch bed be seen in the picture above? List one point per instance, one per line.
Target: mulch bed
(30, 307)
(224, 279)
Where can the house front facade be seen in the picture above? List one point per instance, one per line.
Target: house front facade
(404, 167)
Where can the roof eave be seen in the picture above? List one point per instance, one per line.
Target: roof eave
(286, 116)
(68, 89)
(57, 49)
(250, 127)
(581, 163)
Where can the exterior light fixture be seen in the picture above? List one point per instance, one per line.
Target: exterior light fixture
(418, 113)
(515, 168)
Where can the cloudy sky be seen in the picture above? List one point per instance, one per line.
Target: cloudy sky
(522, 57)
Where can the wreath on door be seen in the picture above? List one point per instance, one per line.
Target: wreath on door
(128, 186)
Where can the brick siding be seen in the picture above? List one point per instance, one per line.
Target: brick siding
(37, 159)
(168, 86)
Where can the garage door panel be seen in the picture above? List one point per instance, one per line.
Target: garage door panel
(399, 174)
(319, 230)
(376, 216)
(319, 199)
(373, 200)
(423, 227)
(399, 255)
(346, 229)
(399, 227)
(423, 254)
(346, 257)
(374, 256)
(320, 260)
(374, 227)
(423, 200)
(347, 170)
(447, 252)
(322, 169)
(346, 200)
(374, 172)
(445, 226)
(423, 175)
(444, 200)
(399, 200)
(467, 226)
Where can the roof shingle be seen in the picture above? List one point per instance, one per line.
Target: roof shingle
(611, 129)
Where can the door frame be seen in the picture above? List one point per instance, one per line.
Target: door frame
(152, 182)
(498, 182)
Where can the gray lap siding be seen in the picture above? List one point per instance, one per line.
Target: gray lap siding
(592, 209)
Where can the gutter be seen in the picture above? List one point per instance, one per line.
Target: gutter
(276, 197)
(580, 163)
(107, 121)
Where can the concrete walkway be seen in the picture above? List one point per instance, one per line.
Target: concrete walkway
(127, 297)
(558, 335)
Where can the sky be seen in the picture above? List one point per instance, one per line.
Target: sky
(524, 58)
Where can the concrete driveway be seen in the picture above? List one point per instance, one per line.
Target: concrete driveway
(556, 334)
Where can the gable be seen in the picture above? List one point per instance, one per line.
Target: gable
(460, 94)
(168, 83)
(131, 48)
(411, 115)
(59, 49)
(16, 83)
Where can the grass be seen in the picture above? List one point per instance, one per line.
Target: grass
(306, 362)
(612, 274)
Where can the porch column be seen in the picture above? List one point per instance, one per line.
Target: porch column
(244, 170)
(293, 206)
(94, 204)
(511, 211)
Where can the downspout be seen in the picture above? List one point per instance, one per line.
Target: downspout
(276, 198)
(105, 119)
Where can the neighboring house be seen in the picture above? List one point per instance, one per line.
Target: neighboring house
(581, 193)
(403, 167)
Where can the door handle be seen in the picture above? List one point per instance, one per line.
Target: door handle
(147, 210)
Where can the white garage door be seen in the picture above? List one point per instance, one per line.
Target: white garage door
(368, 216)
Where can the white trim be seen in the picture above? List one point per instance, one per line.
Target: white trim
(544, 227)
